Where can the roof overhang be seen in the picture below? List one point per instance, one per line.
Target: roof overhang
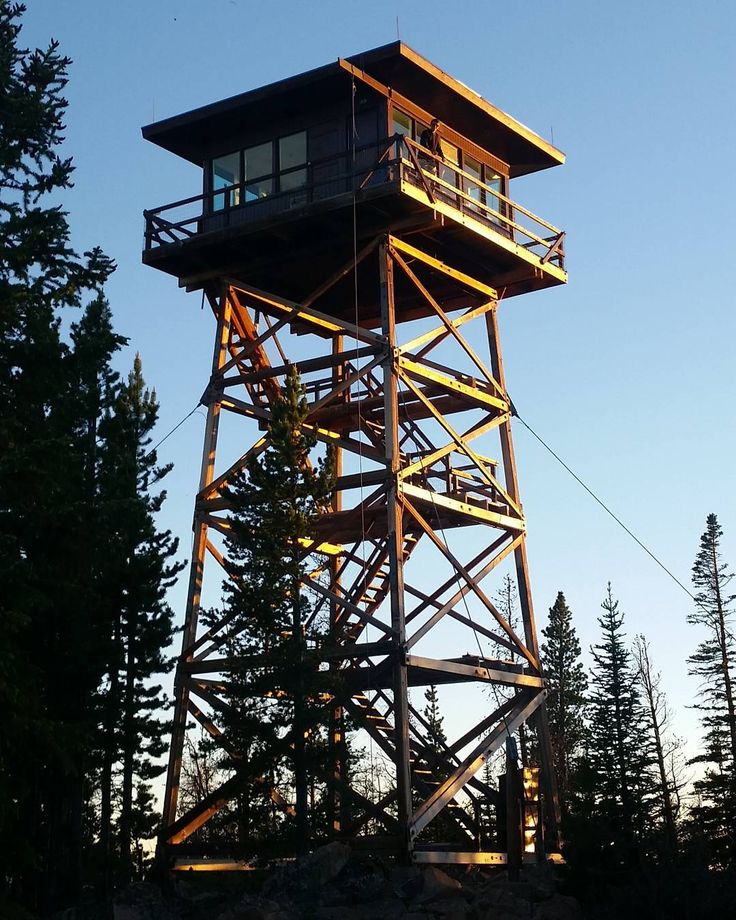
(394, 67)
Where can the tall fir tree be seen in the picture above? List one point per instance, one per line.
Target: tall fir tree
(46, 675)
(620, 769)
(275, 714)
(435, 731)
(139, 629)
(566, 701)
(714, 664)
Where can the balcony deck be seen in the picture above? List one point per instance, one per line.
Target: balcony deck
(291, 241)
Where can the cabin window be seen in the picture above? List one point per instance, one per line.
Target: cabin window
(403, 123)
(292, 161)
(473, 180)
(225, 174)
(494, 188)
(450, 164)
(258, 171)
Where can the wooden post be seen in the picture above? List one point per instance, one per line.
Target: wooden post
(514, 822)
(395, 547)
(549, 781)
(196, 571)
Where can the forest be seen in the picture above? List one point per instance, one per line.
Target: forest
(86, 569)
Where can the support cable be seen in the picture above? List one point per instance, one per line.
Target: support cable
(175, 428)
(604, 506)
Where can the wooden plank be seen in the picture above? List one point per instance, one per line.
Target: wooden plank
(475, 672)
(456, 858)
(310, 315)
(478, 394)
(465, 280)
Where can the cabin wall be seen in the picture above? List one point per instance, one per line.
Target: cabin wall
(328, 125)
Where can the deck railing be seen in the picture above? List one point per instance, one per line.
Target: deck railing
(364, 167)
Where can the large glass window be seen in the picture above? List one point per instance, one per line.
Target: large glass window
(292, 161)
(494, 187)
(450, 163)
(258, 166)
(403, 123)
(472, 181)
(226, 173)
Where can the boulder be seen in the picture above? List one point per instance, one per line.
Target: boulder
(436, 884)
(305, 878)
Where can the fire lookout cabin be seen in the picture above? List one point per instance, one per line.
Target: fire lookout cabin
(322, 215)
(289, 168)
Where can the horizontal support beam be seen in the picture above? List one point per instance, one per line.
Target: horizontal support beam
(481, 672)
(480, 515)
(453, 858)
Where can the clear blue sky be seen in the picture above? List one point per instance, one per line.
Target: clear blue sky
(627, 372)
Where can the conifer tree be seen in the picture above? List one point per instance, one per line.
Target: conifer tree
(275, 505)
(433, 716)
(45, 675)
(140, 571)
(714, 663)
(617, 754)
(567, 682)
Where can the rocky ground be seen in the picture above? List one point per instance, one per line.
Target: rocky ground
(330, 884)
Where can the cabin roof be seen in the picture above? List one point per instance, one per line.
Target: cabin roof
(395, 66)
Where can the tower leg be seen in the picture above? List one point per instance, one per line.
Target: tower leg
(395, 548)
(549, 781)
(196, 573)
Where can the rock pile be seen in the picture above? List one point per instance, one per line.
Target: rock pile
(333, 884)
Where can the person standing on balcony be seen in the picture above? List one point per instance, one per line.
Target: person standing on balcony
(430, 140)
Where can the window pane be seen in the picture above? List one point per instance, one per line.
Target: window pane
(292, 150)
(259, 161)
(292, 180)
(403, 123)
(493, 183)
(471, 182)
(451, 158)
(226, 172)
(292, 154)
(259, 189)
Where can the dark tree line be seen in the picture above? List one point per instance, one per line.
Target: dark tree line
(621, 770)
(83, 566)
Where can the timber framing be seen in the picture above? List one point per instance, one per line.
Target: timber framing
(373, 395)
(376, 267)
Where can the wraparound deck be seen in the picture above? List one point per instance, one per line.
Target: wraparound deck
(390, 184)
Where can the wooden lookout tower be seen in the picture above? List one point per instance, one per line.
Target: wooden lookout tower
(327, 236)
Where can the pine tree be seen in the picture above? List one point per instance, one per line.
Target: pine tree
(714, 663)
(617, 756)
(138, 576)
(46, 675)
(436, 732)
(275, 505)
(567, 683)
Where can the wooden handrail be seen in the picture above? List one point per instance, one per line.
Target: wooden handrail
(156, 224)
(474, 179)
